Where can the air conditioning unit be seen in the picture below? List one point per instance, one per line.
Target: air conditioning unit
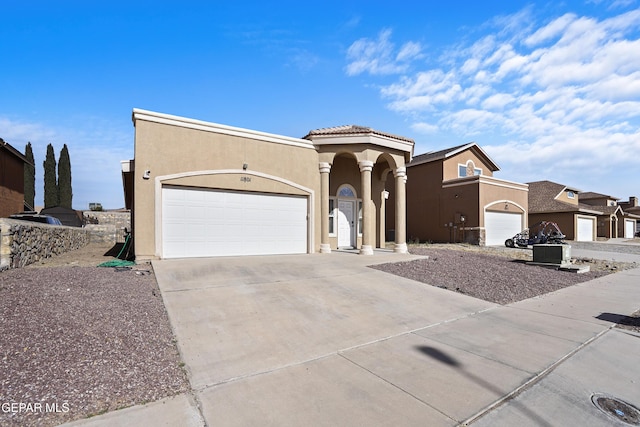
(552, 254)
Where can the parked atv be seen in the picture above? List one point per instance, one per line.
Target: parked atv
(542, 232)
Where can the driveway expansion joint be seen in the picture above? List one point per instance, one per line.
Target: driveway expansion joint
(533, 380)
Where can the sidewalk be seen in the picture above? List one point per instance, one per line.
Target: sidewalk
(532, 363)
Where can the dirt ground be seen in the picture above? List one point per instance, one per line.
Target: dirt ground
(88, 256)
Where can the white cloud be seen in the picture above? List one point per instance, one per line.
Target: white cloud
(553, 29)
(565, 93)
(378, 57)
(424, 128)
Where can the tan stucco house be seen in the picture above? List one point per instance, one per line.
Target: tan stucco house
(551, 201)
(452, 196)
(200, 189)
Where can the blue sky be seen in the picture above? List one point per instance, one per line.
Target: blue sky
(551, 90)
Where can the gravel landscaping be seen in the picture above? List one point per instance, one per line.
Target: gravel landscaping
(78, 340)
(81, 341)
(492, 274)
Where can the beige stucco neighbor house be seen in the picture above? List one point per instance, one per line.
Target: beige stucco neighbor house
(200, 189)
(550, 201)
(452, 196)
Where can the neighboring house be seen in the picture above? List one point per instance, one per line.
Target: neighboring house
(631, 207)
(616, 221)
(550, 201)
(452, 196)
(12, 164)
(69, 217)
(200, 189)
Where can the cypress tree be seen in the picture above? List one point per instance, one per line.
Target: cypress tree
(29, 177)
(50, 183)
(65, 193)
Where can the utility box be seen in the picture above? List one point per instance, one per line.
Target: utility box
(552, 254)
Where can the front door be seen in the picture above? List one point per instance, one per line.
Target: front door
(346, 225)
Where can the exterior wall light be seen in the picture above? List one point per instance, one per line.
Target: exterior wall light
(147, 174)
(245, 166)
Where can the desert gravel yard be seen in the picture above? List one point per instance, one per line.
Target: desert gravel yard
(491, 274)
(78, 340)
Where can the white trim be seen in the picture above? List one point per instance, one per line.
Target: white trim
(159, 180)
(453, 153)
(334, 220)
(374, 139)
(349, 186)
(495, 202)
(466, 166)
(184, 122)
(127, 166)
(484, 179)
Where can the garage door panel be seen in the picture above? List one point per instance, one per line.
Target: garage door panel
(500, 226)
(201, 223)
(629, 228)
(586, 228)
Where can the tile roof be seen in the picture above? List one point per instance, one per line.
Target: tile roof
(354, 130)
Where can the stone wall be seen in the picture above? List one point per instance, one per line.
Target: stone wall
(106, 233)
(107, 226)
(23, 243)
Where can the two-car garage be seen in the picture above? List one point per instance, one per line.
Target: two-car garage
(199, 222)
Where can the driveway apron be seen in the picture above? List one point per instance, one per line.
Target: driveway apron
(325, 340)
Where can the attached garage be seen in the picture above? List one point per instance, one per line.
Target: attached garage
(586, 229)
(629, 228)
(500, 226)
(200, 222)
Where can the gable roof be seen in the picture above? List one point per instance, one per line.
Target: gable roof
(13, 151)
(543, 198)
(433, 156)
(587, 195)
(353, 130)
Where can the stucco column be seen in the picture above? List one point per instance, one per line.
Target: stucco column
(367, 212)
(401, 211)
(325, 168)
(384, 196)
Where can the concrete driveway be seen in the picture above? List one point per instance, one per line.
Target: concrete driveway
(324, 340)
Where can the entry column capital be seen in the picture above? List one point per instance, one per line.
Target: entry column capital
(400, 172)
(324, 167)
(365, 165)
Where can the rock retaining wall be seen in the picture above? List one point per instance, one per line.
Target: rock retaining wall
(23, 243)
(107, 226)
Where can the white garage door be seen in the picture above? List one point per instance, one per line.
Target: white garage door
(629, 228)
(585, 229)
(204, 223)
(500, 226)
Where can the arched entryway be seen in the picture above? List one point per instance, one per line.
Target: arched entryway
(361, 158)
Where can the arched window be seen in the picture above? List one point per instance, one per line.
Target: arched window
(346, 191)
(468, 169)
